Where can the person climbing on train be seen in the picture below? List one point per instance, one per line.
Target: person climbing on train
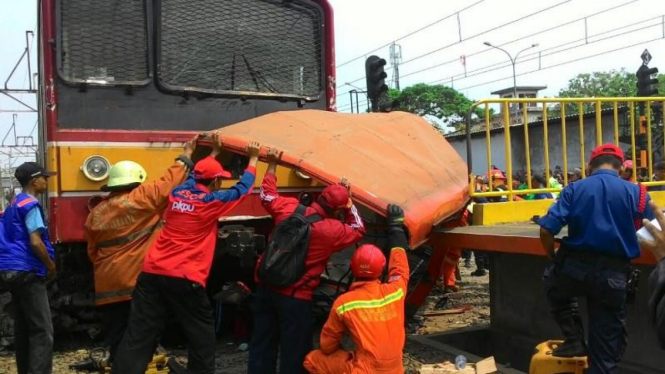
(371, 313)
(177, 266)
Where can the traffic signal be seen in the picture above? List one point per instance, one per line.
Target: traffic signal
(376, 85)
(647, 82)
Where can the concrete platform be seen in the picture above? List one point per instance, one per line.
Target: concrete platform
(515, 238)
(520, 319)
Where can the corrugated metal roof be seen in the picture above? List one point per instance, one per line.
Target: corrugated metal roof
(479, 127)
(519, 88)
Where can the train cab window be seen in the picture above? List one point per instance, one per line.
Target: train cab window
(103, 42)
(241, 47)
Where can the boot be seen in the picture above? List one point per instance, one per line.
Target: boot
(573, 331)
(480, 272)
(451, 289)
(97, 360)
(570, 348)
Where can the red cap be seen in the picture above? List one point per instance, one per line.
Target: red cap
(335, 196)
(607, 150)
(628, 164)
(368, 262)
(210, 168)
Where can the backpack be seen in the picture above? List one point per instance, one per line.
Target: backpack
(284, 260)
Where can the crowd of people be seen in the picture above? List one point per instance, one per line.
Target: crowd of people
(152, 245)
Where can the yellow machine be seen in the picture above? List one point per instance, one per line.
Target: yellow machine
(543, 362)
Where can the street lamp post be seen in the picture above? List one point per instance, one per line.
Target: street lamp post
(513, 61)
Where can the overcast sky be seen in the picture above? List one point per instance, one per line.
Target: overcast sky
(362, 26)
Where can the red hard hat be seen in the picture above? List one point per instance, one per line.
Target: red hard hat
(210, 168)
(497, 174)
(335, 196)
(628, 164)
(607, 150)
(368, 262)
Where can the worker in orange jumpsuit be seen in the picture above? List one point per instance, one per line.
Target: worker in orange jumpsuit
(451, 260)
(120, 229)
(372, 313)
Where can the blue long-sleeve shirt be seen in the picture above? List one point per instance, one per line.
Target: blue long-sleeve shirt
(600, 213)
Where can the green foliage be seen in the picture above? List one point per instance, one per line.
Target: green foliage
(444, 103)
(601, 84)
(611, 83)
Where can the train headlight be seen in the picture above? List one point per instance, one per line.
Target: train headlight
(96, 168)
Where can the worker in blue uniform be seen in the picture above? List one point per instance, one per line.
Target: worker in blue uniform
(602, 213)
(27, 259)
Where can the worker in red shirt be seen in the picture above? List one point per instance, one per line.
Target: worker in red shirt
(177, 266)
(372, 313)
(283, 317)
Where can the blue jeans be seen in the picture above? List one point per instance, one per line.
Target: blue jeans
(605, 290)
(284, 324)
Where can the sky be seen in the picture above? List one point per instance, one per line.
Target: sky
(578, 32)
(497, 22)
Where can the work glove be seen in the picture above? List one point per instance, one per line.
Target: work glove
(395, 215)
(396, 235)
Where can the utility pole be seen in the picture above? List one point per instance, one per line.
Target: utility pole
(395, 60)
(513, 61)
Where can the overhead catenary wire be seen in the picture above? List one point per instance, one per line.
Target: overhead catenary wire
(410, 34)
(539, 54)
(529, 35)
(559, 64)
(568, 23)
(522, 18)
(565, 63)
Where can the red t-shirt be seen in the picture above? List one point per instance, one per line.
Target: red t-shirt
(186, 245)
(327, 236)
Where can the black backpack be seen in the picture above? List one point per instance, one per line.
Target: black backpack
(284, 260)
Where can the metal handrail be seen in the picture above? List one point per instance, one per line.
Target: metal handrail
(598, 103)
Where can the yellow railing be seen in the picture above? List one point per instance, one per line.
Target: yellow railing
(617, 103)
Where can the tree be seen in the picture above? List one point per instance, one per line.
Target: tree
(611, 83)
(445, 104)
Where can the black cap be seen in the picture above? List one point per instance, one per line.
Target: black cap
(29, 170)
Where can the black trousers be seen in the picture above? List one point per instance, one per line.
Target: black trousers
(605, 291)
(115, 318)
(154, 297)
(281, 324)
(33, 327)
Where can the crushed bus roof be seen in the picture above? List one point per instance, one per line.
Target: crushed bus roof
(388, 158)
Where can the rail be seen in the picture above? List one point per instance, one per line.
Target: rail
(640, 128)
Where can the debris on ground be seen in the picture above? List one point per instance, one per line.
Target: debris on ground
(486, 366)
(231, 359)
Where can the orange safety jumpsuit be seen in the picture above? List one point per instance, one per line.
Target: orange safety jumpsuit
(451, 259)
(121, 229)
(373, 314)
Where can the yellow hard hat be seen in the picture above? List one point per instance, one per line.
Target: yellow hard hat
(125, 173)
